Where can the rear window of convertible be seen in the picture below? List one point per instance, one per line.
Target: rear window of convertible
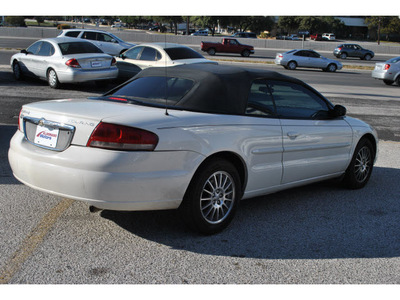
(156, 89)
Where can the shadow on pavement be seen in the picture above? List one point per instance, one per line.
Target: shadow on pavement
(320, 221)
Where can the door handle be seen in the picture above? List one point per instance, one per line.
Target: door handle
(292, 135)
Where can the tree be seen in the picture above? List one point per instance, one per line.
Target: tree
(289, 23)
(15, 21)
(384, 25)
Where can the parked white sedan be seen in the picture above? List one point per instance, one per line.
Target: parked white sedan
(197, 138)
(149, 55)
(63, 60)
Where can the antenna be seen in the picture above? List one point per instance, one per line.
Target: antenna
(166, 77)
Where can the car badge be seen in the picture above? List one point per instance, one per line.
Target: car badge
(41, 122)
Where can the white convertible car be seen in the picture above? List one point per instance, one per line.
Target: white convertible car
(197, 138)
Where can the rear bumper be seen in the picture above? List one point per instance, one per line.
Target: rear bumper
(115, 180)
(81, 75)
(379, 74)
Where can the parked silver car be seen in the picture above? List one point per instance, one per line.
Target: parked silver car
(63, 60)
(307, 59)
(388, 71)
(106, 41)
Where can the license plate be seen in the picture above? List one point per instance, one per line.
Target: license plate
(46, 136)
(96, 64)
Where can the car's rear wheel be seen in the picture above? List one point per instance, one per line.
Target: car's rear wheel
(52, 79)
(212, 197)
(211, 51)
(343, 55)
(360, 168)
(17, 71)
(398, 80)
(292, 65)
(388, 82)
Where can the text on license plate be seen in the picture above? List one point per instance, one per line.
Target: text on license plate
(96, 64)
(46, 136)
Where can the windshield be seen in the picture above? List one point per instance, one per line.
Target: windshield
(155, 89)
(182, 53)
(78, 47)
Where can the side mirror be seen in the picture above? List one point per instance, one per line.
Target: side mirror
(24, 51)
(122, 56)
(339, 111)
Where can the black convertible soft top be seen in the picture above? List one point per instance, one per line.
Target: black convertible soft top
(217, 88)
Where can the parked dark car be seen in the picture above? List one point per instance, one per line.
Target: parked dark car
(352, 50)
(251, 35)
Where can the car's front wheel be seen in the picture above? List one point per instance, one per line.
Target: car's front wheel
(360, 168)
(246, 53)
(331, 68)
(213, 195)
(367, 56)
(52, 79)
(17, 71)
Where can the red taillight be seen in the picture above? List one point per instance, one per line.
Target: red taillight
(119, 137)
(280, 56)
(340, 48)
(386, 67)
(113, 61)
(73, 63)
(19, 121)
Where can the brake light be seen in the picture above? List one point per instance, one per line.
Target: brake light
(19, 120)
(340, 48)
(113, 61)
(73, 63)
(119, 137)
(386, 67)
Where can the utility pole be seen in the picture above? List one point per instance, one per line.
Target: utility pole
(379, 30)
(187, 25)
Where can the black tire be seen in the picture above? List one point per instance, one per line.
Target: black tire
(343, 55)
(211, 51)
(17, 72)
(361, 165)
(292, 65)
(245, 53)
(388, 82)
(367, 57)
(52, 79)
(398, 81)
(331, 68)
(212, 197)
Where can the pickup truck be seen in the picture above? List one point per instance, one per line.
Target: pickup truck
(316, 37)
(227, 45)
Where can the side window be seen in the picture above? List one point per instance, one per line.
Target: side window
(46, 49)
(104, 37)
(89, 35)
(133, 53)
(294, 101)
(259, 102)
(34, 48)
(148, 54)
(72, 33)
(300, 53)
